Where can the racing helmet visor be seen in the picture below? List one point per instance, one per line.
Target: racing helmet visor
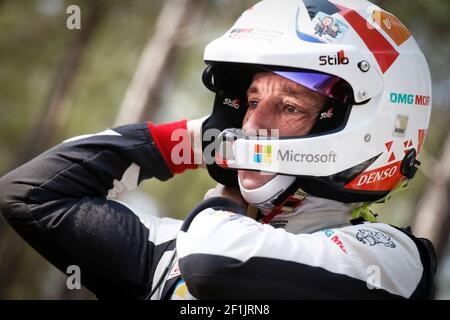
(331, 86)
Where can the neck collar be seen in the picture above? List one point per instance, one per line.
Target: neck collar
(313, 214)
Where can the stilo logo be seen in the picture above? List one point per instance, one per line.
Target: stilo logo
(338, 59)
(262, 154)
(327, 115)
(232, 103)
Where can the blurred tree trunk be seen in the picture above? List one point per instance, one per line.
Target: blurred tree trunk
(143, 97)
(56, 110)
(141, 100)
(433, 212)
(43, 134)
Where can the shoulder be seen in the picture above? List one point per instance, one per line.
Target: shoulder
(394, 258)
(374, 241)
(379, 236)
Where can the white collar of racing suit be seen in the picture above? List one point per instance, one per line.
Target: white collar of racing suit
(314, 214)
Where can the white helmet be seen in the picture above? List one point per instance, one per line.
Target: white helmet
(363, 59)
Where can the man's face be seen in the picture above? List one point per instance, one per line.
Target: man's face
(275, 102)
(327, 21)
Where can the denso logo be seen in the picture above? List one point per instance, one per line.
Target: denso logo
(338, 59)
(405, 98)
(377, 176)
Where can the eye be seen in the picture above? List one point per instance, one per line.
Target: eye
(252, 104)
(290, 109)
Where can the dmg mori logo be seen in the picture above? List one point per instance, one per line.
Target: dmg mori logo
(411, 99)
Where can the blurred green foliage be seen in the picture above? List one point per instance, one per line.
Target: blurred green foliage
(34, 41)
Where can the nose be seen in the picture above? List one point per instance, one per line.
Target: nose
(260, 120)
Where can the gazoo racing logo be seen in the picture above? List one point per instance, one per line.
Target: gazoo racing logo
(335, 239)
(411, 99)
(291, 156)
(338, 59)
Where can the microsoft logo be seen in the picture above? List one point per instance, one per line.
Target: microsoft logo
(262, 154)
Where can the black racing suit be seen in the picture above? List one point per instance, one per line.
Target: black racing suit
(62, 203)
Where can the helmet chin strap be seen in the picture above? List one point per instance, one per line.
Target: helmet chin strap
(267, 196)
(282, 194)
